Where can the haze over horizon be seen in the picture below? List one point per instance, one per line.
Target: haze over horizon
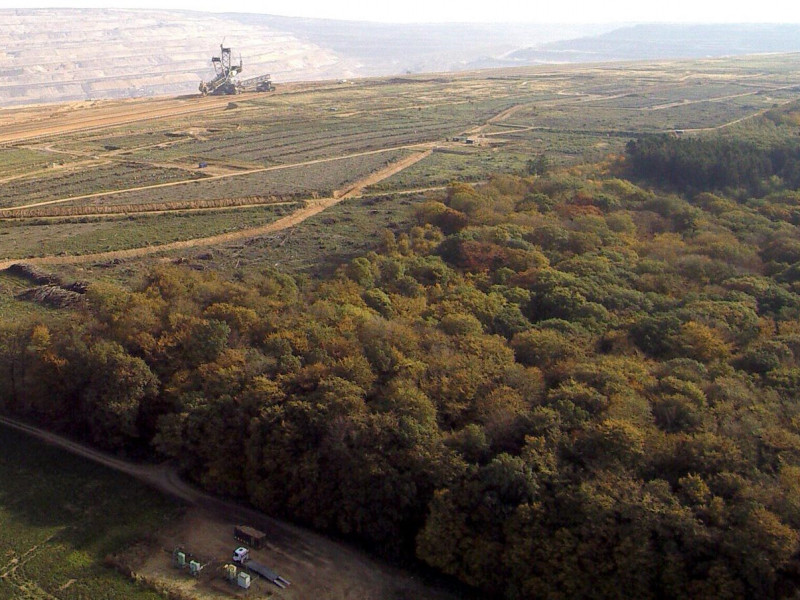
(500, 11)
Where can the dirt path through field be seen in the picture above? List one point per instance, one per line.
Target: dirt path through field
(498, 118)
(216, 177)
(103, 212)
(735, 121)
(312, 208)
(317, 566)
(685, 102)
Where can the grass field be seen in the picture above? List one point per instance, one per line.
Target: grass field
(12, 309)
(323, 242)
(61, 516)
(307, 180)
(15, 161)
(456, 164)
(40, 237)
(101, 178)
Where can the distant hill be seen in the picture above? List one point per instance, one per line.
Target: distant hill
(642, 42)
(390, 49)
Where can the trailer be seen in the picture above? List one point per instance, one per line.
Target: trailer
(249, 536)
(241, 556)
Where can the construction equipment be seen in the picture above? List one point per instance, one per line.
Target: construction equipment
(225, 82)
(249, 536)
(225, 72)
(230, 572)
(262, 83)
(241, 556)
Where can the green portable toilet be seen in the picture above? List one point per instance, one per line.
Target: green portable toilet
(180, 559)
(194, 567)
(243, 580)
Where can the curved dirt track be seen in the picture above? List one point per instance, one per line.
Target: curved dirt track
(312, 208)
(320, 567)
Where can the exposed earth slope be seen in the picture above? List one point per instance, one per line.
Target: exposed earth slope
(60, 54)
(56, 55)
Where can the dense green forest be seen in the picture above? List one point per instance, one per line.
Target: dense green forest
(557, 386)
(707, 164)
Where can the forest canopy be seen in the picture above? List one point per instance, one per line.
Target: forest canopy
(559, 386)
(698, 164)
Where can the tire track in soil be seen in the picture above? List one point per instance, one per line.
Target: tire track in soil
(313, 207)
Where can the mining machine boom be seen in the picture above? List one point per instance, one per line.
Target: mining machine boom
(225, 82)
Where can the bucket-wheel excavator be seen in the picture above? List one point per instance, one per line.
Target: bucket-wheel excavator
(225, 82)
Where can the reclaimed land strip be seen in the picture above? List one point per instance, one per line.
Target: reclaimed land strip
(213, 177)
(313, 207)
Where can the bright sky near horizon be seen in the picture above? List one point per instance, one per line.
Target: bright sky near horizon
(420, 11)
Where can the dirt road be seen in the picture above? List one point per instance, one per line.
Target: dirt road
(317, 566)
(312, 208)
